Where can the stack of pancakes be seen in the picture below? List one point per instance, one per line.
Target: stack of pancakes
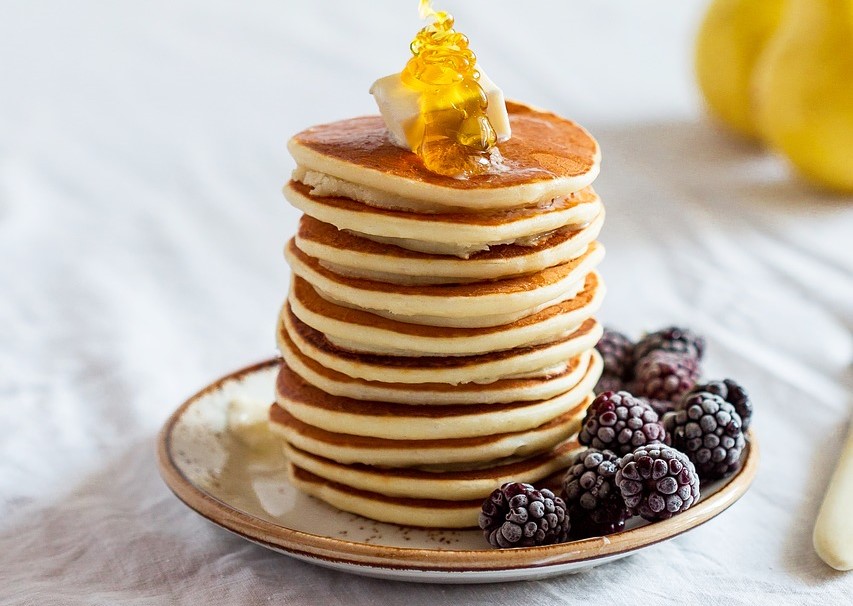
(438, 336)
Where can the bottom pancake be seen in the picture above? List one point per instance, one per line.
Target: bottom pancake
(427, 513)
(408, 511)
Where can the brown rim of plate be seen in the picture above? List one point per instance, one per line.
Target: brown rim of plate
(403, 558)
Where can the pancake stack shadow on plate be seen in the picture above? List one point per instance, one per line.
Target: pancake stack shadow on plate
(438, 338)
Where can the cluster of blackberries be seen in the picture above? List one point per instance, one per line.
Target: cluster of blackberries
(652, 436)
(661, 367)
(644, 475)
(601, 491)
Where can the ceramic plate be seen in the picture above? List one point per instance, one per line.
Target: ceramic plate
(245, 490)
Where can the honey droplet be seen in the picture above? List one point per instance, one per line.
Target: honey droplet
(457, 138)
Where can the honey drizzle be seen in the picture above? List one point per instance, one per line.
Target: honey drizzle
(457, 138)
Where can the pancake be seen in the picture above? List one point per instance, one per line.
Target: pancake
(467, 233)
(427, 513)
(453, 485)
(481, 368)
(479, 304)
(392, 421)
(502, 391)
(353, 256)
(348, 448)
(547, 157)
(358, 330)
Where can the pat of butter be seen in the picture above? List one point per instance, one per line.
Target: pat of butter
(400, 108)
(248, 421)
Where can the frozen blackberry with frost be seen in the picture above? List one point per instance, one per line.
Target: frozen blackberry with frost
(519, 515)
(594, 503)
(673, 339)
(708, 430)
(733, 393)
(665, 376)
(619, 422)
(617, 351)
(657, 482)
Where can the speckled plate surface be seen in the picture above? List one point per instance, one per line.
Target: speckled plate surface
(247, 492)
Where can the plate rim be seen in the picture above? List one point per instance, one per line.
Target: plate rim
(330, 549)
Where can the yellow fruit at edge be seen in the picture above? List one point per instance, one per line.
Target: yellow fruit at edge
(730, 40)
(804, 90)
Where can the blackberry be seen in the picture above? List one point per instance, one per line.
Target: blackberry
(673, 339)
(620, 422)
(733, 393)
(657, 482)
(519, 515)
(617, 351)
(594, 502)
(708, 430)
(665, 376)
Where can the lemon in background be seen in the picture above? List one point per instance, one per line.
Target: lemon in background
(803, 90)
(731, 37)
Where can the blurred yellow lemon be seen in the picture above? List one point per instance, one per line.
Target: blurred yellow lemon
(730, 40)
(804, 90)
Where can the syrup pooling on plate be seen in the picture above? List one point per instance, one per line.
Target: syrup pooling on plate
(457, 138)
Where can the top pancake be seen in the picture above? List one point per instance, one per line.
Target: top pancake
(547, 156)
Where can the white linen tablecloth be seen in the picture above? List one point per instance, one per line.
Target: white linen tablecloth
(141, 228)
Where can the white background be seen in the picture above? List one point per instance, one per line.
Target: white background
(142, 152)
